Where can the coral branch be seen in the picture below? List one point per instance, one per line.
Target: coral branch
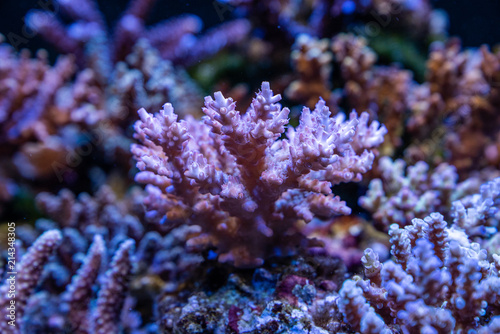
(236, 177)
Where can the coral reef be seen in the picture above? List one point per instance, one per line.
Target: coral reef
(438, 282)
(54, 117)
(282, 298)
(93, 239)
(370, 204)
(235, 178)
(396, 198)
(453, 112)
(88, 38)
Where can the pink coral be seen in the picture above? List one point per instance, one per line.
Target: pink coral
(241, 179)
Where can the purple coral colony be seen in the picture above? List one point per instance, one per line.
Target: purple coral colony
(128, 204)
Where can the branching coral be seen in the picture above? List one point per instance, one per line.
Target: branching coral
(53, 122)
(79, 292)
(233, 175)
(28, 88)
(380, 90)
(438, 282)
(22, 280)
(397, 199)
(111, 297)
(478, 214)
(238, 228)
(103, 227)
(312, 62)
(75, 301)
(103, 214)
(52, 117)
(88, 38)
(454, 113)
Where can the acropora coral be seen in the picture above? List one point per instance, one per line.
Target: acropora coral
(438, 282)
(244, 185)
(370, 204)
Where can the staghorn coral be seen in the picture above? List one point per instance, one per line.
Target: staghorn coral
(70, 310)
(106, 316)
(438, 282)
(478, 215)
(238, 181)
(79, 291)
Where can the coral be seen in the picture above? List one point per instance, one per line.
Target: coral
(380, 90)
(396, 198)
(357, 312)
(235, 178)
(478, 214)
(453, 112)
(312, 62)
(28, 90)
(79, 292)
(54, 117)
(110, 300)
(103, 226)
(24, 278)
(103, 214)
(344, 237)
(252, 219)
(439, 281)
(87, 37)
